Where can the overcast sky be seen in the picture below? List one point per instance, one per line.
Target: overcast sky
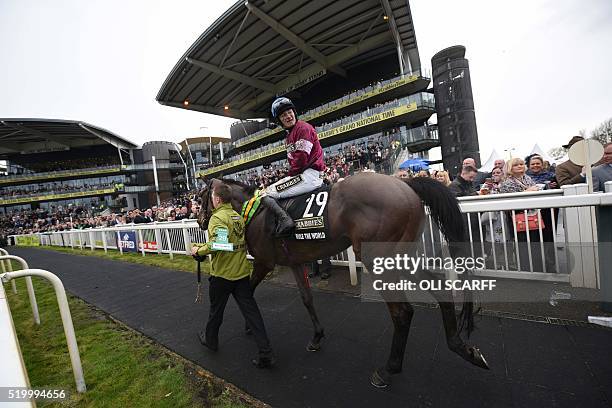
(541, 69)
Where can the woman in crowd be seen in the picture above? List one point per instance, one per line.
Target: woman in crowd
(537, 172)
(492, 185)
(518, 181)
(442, 177)
(172, 215)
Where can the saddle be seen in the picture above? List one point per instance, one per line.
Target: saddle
(308, 211)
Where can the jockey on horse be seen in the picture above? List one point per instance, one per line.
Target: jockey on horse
(306, 164)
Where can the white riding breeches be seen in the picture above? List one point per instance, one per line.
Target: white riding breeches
(292, 186)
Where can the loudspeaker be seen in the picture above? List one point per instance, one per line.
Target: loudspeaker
(455, 108)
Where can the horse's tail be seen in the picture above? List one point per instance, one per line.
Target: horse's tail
(443, 207)
(444, 210)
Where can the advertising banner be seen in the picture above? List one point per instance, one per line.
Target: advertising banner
(128, 241)
(148, 245)
(27, 240)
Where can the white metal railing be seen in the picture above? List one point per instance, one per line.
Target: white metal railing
(13, 372)
(64, 308)
(569, 211)
(573, 231)
(30, 287)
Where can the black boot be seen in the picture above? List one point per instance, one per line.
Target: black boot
(284, 222)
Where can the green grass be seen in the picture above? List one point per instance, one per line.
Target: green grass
(180, 262)
(122, 368)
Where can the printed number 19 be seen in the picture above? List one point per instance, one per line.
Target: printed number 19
(320, 199)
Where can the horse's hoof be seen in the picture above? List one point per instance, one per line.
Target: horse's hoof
(313, 347)
(477, 358)
(378, 380)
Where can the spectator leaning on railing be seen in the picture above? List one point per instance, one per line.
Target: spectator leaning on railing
(534, 224)
(463, 184)
(603, 172)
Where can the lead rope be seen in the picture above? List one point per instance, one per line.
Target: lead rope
(198, 298)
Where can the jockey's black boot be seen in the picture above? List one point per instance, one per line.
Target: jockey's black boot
(284, 222)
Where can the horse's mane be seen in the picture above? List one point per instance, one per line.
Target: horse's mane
(250, 190)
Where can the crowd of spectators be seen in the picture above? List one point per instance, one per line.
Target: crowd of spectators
(62, 218)
(44, 166)
(350, 159)
(354, 95)
(8, 193)
(369, 112)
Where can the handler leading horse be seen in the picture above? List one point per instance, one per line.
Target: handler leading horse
(363, 208)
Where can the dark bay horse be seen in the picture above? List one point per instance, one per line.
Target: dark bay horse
(364, 208)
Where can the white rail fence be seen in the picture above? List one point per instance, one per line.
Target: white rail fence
(565, 250)
(13, 371)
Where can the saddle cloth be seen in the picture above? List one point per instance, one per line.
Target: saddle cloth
(309, 212)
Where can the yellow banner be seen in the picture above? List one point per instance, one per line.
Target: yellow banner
(53, 197)
(58, 175)
(341, 105)
(27, 240)
(388, 114)
(359, 98)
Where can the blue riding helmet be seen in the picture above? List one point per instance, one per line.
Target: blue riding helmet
(280, 105)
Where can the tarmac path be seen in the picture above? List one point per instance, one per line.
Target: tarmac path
(532, 364)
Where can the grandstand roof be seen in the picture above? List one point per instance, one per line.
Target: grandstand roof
(262, 48)
(22, 136)
(202, 139)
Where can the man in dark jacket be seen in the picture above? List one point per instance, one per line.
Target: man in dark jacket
(462, 185)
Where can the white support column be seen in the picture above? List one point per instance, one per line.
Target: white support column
(158, 239)
(187, 240)
(104, 245)
(119, 242)
(156, 180)
(581, 241)
(141, 242)
(169, 243)
(352, 265)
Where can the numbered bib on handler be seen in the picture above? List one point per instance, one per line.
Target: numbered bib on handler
(222, 234)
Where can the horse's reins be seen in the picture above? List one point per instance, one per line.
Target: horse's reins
(198, 298)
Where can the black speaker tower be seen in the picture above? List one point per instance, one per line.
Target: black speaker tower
(455, 108)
